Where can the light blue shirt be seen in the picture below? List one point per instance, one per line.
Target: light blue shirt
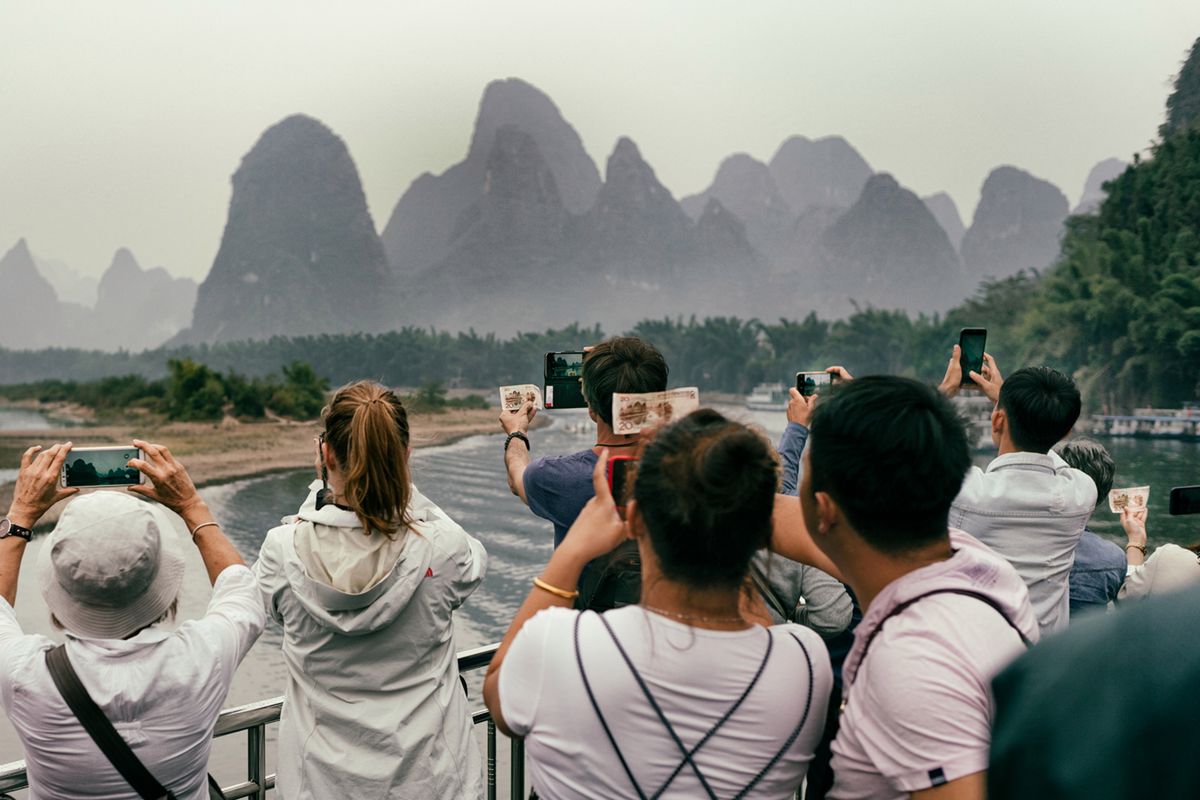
(1030, 508)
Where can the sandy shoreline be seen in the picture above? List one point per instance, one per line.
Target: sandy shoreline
(226, 451)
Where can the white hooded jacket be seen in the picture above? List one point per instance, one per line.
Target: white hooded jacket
(373, 707)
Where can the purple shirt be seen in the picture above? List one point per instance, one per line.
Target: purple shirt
(918, 707)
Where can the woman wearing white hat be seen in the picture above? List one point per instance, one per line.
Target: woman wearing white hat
(109, 572)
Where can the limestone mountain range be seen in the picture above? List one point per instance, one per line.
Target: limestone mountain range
(526, 232)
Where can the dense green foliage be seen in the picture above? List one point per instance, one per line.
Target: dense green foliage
(190, 392)
(1121, 309)
(1183, 106)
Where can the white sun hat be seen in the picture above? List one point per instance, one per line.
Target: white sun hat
(112, 566)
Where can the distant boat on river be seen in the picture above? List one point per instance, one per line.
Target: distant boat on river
(768, 397)
(1152, 423)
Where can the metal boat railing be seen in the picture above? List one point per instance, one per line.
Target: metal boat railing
(254, 718)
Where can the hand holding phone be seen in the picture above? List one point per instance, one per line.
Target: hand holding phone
(92, 467)
(815, 383)
(564, 380)
(621, 470)
(971, 345)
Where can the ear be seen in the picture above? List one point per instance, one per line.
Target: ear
(327, 454)
(634, 524)
(999, 423)
(829, 513)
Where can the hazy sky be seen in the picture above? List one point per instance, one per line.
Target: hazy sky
(122, 122)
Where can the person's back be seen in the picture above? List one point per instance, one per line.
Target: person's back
(109, 572)
(373, 707)
(1106, 711)
(941, 611)
(1029, 505)
(1099, 567)
(556, 488)
(679, 696)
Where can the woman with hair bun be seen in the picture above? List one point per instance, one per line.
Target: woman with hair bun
(679, 696)
(363, 580)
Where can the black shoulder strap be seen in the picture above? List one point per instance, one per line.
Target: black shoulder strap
(768, 594)
(100, 729)
(983, 598)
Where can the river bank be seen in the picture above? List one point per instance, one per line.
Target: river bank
(216, 453)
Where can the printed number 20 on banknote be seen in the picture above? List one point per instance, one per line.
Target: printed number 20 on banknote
(513, 397)
(633, 413)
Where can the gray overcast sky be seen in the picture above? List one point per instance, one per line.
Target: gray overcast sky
(123, 121)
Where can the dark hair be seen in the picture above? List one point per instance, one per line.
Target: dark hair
(892, 453)
(1091, 458)
(705, 487)
(367, 428)
(1042, 405)
(622, 364)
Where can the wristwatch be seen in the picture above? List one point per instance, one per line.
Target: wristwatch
(10, 528)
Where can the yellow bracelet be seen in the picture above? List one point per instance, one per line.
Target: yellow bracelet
(554, 590)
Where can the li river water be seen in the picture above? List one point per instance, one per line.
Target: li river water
(467, 480)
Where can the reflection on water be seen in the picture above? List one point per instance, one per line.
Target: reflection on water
(22, 419)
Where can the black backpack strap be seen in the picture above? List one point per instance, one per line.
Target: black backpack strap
(983, 598)
(115, 749)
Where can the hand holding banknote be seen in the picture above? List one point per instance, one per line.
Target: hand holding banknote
(519, 404)
(633, 413)
(513, 397)
(1135, 498)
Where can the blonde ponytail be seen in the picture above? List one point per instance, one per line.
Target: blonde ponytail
(367, 428)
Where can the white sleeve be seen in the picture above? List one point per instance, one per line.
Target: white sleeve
(234, 618)
(268, 575)
(524, 666)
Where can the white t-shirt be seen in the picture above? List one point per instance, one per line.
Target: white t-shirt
(694, 675)
(161, 690)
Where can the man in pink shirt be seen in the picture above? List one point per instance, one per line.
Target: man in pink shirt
(942, 612)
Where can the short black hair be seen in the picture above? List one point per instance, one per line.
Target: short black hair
(705, 487)
(622, 364)
(892, 453)
(1092, 459)
(1042, 405)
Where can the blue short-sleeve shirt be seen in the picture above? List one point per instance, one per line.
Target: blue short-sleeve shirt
(558, 487)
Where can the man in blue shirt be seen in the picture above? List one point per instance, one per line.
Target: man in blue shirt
(1100, 565)
(556, 488)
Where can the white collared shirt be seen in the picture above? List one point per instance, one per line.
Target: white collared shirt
(162, 690)
(1030, 508)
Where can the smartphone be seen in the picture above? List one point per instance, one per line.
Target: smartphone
(620, 472)
(101, 466)
(810, 383)
(563, 387)
(1184, 500)
(971, 342)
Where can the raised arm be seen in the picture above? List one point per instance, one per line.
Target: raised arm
(516, 451)
(173, 487)
(597, 530)
(790, 538)
(36, 491)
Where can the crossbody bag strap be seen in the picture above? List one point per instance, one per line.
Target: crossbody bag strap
(98, 726)
(768, 594)
(587, 685)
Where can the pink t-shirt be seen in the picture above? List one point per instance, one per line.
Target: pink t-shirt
(918, 708)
